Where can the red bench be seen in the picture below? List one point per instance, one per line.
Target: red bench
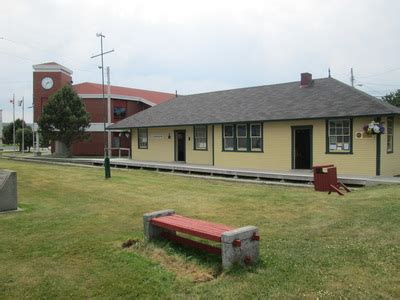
(237, 245)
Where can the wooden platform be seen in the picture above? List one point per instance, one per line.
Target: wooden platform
(303, 177)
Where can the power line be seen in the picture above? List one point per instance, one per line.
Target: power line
(17, 56)
(382, 73)
(41, 49)
(383, 84)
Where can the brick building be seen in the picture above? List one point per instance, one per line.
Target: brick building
(50, 77)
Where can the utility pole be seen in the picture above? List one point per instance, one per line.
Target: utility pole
(106, 158)
(352, 77)
(329, 72)
(109, 110)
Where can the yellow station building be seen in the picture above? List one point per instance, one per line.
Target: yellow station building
(277, 127)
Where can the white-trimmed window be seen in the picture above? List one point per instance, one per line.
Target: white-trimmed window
(200, 137)
(229, 137)
(241, 137)
(255, 137)
(389, 134)
(339, 135)
(142, 138)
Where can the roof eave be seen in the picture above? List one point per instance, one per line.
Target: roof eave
(115, 126)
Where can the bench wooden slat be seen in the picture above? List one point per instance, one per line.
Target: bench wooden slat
(197, 224)
(191, 243)
(201, 229)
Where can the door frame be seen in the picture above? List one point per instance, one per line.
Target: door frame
(176, 146)
(293, 152)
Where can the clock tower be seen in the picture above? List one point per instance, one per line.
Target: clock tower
(48, 78)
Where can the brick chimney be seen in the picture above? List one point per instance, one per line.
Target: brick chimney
(306, 80)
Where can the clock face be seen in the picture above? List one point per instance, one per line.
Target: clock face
(47, 83)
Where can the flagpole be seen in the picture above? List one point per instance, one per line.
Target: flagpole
(23, 125)
(14, 122)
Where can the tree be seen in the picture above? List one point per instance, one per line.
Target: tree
(393, 98)
(28, 139)
(64, 118)
(8, 131)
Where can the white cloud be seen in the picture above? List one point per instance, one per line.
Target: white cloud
(196, 46)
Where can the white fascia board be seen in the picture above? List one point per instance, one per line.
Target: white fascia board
(52, 68)
(94, 127)
(99, 127)
(115, 96)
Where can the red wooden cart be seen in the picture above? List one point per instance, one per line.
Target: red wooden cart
(325, 179)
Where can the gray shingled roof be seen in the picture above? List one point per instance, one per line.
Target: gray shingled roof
(326, 98)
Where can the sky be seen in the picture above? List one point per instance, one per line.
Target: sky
(200, 46)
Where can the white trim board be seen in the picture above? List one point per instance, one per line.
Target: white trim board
(52, 68)
(99, 127)
(116, 96)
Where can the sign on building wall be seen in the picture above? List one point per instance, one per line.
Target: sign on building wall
(158, 137)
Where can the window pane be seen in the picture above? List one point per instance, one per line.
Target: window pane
(228, 143)
(142, 138)
(116, 142)
(228, 130)
(255, 130)
(201, 143)
(390, 144)
(390, 125)
(339, 135)
(200, 137)
(119, 112)
(241, 130)
(242, 143)
(255, 143)
(389, 130)
(200, 131)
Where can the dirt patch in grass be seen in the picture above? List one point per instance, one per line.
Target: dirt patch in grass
(129, 243)
(182, 266)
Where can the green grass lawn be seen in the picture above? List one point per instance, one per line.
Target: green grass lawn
(66, 243)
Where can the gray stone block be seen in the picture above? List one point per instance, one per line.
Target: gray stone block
(151, 231)
(241, 233)
(8, 190)
(248, 251)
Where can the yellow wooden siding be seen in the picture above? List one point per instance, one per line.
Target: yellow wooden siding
(161, 148)
(277, 153)
(390, 162)
(277, 146)
(201, 157)
(363, 159)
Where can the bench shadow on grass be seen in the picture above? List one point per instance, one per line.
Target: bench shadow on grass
(186, 262)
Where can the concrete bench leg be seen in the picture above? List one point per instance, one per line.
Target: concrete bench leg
(151, 231)
(246, 253)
